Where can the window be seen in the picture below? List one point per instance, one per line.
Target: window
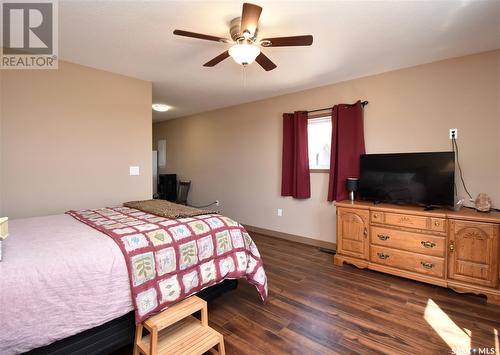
(319, 136)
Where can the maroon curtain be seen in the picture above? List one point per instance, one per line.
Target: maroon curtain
(348, 143)
(295, 164)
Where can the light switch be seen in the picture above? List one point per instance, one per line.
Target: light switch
(133, 170)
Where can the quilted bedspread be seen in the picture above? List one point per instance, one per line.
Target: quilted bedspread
(171, 259)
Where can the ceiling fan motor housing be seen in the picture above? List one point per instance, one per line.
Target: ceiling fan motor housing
(235, 31)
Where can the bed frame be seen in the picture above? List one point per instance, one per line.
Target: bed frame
(115, 334)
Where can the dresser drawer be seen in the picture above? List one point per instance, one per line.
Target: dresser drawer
(409, 241)
(438, 224)
(423, 264)
(376, 217)
(414, 221)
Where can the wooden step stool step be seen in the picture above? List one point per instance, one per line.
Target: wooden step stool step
(176, 331)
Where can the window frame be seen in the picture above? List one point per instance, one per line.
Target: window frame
(319, 117)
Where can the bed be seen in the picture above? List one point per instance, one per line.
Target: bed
(61, 279)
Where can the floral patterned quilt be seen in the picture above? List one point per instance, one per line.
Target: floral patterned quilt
(170, 259)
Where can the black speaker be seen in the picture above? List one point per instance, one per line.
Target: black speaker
(167, 187)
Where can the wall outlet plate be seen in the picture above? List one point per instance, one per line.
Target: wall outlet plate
(453, 133)
(134, 171)
(280, 212)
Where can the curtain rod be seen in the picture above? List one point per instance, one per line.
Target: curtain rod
(363, 104)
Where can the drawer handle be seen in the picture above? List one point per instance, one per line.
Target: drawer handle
(382, 236)
(437, 223)
(382, 255)
(452, 246)
(428, 244)
(426, 265)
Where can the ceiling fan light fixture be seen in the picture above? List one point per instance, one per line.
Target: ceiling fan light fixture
(244, 53)
(244, 33)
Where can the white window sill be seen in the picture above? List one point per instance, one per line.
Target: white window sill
(319, 170)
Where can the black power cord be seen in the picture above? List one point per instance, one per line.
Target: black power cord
(455, 149)
(205, 206)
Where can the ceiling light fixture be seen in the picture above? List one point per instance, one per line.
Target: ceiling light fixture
(244, 33)
(160, 107)
(244, 53)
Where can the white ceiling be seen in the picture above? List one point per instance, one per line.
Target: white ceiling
(351, 39)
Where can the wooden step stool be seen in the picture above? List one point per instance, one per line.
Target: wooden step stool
(182, 333)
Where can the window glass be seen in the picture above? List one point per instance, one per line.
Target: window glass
(319, 132)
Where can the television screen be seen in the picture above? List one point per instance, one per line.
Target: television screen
(408, 178)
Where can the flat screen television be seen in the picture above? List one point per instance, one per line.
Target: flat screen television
(425, 179)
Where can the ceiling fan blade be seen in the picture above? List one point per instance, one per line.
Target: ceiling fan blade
(217, 59)
(287, 41)
(265, 62)
(250, 18)
(201, 36)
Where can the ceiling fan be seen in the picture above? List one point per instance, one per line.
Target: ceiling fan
(245, 49)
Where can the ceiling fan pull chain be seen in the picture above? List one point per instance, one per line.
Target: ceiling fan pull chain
(244, 76)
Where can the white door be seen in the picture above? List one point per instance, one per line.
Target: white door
(155, 172)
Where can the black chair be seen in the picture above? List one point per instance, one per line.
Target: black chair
(182, 192)
(167, 187)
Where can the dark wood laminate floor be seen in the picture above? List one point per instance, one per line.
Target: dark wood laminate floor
(315, 307)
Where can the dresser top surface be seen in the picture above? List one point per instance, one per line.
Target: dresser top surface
(464, 213)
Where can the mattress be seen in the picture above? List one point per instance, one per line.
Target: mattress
(58, 278)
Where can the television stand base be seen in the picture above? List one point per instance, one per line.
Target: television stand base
(429, 208)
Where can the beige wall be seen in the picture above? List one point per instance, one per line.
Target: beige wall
(234, 154)
(68, 137)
